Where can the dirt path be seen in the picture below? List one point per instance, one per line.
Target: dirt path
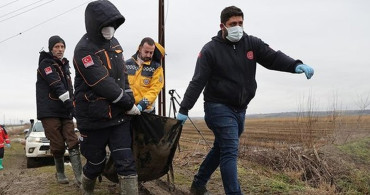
(17, 179)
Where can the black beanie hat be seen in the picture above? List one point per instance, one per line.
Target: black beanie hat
(54, 40)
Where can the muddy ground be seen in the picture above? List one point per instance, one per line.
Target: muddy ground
(15, 178)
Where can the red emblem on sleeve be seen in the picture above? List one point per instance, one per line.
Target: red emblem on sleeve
(48, 70)
(250, 55)
(87, 61)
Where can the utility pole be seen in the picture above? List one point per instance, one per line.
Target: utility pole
(161, 40)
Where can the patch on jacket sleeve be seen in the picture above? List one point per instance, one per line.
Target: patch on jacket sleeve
(48, 70)
(87, 61)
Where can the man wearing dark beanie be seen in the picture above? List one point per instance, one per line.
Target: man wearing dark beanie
(55, 109)
(54, 40)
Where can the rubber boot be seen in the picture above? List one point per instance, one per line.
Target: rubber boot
(59, 165)
(74, 156)
(128, 185)
(1, 164)
(87, 185)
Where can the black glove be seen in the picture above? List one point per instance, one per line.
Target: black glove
(70, 108)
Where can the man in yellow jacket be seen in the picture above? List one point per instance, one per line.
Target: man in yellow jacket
(145, 74)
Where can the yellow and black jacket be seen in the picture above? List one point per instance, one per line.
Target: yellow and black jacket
(146, 80)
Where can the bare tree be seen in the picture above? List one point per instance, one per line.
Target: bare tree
(362, 104)
(307, 119)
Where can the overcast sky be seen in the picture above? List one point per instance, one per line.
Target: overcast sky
(332, 36)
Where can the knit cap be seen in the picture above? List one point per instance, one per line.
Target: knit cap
(54, 40)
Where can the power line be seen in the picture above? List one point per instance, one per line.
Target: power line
(44, 22)
(20, 8)
(26, 11)
(8, 4)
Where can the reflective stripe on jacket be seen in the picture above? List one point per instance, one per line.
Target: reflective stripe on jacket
(102, 93)
(53, 80)
(146, 81)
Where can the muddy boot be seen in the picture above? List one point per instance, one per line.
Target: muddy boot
(128, 185)
(87, 185)
(59, 165)
(1, 164)
(74, 156)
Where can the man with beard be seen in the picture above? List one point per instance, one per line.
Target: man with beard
(145, 74)
(226, 70)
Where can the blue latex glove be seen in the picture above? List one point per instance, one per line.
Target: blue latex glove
(7, 145)
(139, 107)
(181, 117)
(306, 69)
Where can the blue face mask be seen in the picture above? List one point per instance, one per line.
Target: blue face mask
(234, 34)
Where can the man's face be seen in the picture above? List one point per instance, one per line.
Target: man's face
(58, 50)
(233, 21)
(146, 52)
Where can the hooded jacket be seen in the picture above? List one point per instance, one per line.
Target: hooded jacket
(102, 93)
(146, 80)
(227, 71)
(53, 80)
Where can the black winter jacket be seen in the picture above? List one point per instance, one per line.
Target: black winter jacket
(227, 70)
(53, 80)
(102, 93)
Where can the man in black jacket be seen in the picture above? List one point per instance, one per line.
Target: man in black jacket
(54, 94)
(104, 99)
(226, 69)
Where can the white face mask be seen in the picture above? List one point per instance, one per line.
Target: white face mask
(108, 32)
(235, 33)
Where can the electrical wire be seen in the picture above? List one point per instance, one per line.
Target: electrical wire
(26, 11)
(20, 8)
(44, 22)
(8, 3)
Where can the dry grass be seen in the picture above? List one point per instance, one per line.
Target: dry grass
(293, 146)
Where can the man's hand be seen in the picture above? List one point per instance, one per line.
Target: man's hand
(181, 117)
(134, 111)
(70, 108)
(306, 69)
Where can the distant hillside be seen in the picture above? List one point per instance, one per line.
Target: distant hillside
(318, 113)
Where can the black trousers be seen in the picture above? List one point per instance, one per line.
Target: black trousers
(2, 152)
(93, 145)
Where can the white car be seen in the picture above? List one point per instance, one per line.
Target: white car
(37, 146)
